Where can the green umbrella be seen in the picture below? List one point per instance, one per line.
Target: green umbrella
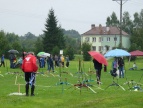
(40, 53)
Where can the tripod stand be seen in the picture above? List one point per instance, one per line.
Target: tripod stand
(133, 85)
(81, 82)
(115, 84)
(61, 82)
(138, 85)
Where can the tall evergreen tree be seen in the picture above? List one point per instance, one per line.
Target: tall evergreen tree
(53, 35)
(137, 35)
(127, 24)
(112, 20)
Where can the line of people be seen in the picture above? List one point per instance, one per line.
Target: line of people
(52, 62)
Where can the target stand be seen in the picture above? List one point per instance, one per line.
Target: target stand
(17, 93)
(82, 81)
(115, 84)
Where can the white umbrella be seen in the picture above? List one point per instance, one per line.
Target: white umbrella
(45, 55)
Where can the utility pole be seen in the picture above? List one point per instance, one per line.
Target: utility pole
(121, 4)
(115, 39)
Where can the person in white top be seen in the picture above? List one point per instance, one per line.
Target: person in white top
(134, 66)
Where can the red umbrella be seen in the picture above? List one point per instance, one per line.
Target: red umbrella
(99, 57)
(136, 53)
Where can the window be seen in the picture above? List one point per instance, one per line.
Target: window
(99, 39)
(100, 48)
(87, 39)
(93, 48)
(115, 38)
(102, 39)
(94, 39)
(108, 39)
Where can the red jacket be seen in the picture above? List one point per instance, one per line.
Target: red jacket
(29, 64)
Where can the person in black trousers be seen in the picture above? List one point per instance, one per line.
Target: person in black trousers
(98, 68)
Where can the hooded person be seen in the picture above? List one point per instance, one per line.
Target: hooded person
(29, 67)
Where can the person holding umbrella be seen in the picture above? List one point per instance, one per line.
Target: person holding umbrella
(98, 60)
(29, 67)
(98, 68)
(11, 58)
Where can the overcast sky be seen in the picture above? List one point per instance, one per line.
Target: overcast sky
(22, 16)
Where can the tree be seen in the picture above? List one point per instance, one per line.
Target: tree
(127, 24)
(138, 20)
(112, 20)
(72, 36)
(141, 18)
(28, 42)
(38, 45)
(70, 52)
(16, 45)
(13, 40)
(56, 50)
(108, 21)
(11, 37)
(71, 33)
(4, 44)
(53, 35)
(137, 34)
(85, 48)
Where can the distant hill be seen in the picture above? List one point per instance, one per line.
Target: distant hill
(71, 33)
(29, 39)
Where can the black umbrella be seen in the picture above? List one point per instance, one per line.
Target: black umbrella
(13, 51)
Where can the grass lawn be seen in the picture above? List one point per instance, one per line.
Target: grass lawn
(53, 91)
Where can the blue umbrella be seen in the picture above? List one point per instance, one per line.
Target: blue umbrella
(117, 53)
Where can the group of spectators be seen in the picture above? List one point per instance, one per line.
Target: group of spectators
(118, 64)
(53, 61)
(12, 58)
(28, 64)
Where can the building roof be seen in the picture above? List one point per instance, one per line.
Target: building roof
(103, 31)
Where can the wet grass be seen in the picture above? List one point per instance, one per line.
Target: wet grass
(59, 92)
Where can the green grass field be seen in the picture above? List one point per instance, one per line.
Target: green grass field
(50, 93)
